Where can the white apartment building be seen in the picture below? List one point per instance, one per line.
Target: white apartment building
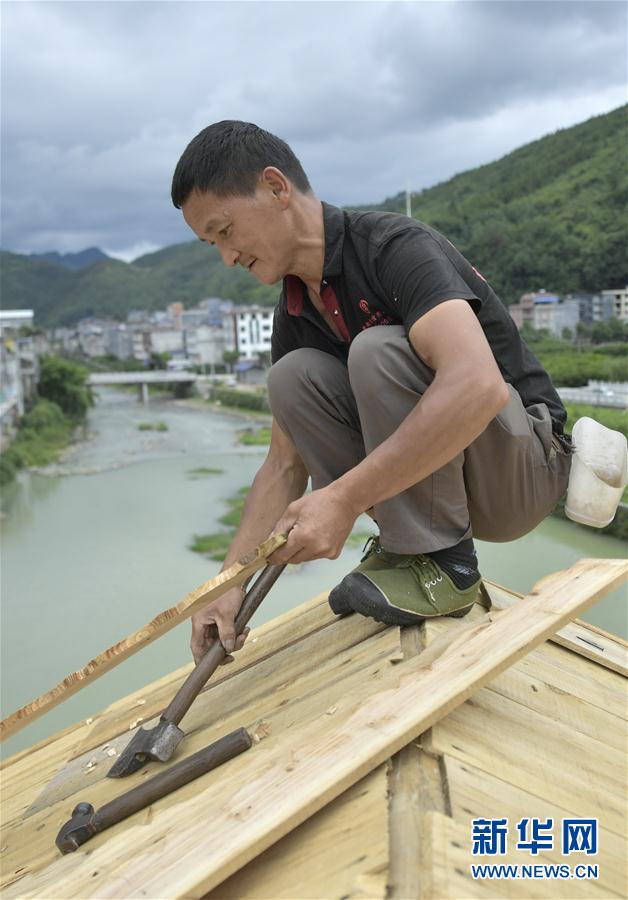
(253, 327)
(620, 301)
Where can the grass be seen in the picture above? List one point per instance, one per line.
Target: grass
(152, 426)
(616, 419)
(259, 438)
(215, 545)
(202, 471)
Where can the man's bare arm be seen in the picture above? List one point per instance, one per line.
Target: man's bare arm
(281, 479)
(467, 392)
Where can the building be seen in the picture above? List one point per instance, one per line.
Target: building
(593, 307)
(205, 345)
(253, 327)
(543, 310)
(165, 339)
(19, 364)
(619, 296)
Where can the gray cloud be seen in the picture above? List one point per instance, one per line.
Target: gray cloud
(100, 98)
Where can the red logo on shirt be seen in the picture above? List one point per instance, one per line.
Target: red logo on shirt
(364, 306)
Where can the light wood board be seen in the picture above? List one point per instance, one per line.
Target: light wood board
(271, 790)
(160, 625)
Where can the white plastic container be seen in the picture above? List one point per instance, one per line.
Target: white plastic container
(599, 473)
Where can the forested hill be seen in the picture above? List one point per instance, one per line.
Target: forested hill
(551, 214)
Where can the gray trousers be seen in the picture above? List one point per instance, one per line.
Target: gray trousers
(506, 482)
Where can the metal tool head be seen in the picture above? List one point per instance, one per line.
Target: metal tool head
(78, 829)
(157, 743)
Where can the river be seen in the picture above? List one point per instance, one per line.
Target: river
(93, 553)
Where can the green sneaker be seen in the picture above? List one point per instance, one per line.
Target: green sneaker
(401, 590)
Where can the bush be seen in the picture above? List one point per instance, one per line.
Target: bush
(240, 399)
(65, 383)
(42, 434)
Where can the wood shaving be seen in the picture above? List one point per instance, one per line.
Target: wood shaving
(135, 723)
(331, 710)
(111, 751)
(88, 721)
(261, 731)
(91, 764)
(140, 703)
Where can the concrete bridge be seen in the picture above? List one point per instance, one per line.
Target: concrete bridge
(141, 379)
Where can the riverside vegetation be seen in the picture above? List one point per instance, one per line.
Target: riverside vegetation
(63, 399)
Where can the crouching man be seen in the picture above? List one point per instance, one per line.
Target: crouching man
(399, 385)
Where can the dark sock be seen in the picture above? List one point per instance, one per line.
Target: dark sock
(459, 562)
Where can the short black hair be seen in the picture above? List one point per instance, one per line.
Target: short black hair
(227, 158)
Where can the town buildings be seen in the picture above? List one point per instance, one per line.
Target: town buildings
(545, 310)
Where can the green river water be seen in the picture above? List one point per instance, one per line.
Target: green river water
(93, 553)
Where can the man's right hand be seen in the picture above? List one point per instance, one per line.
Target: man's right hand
(216, 622)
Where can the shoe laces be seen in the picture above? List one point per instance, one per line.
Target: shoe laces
(372, 545)
(427, 573)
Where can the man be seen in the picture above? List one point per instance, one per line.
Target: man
(399, 384)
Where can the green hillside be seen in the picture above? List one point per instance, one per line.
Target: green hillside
(551, 214)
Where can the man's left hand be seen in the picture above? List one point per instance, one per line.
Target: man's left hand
(318, 526)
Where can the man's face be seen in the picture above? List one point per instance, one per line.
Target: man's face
(248, 231)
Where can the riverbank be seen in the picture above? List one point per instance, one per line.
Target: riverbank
(43, 435)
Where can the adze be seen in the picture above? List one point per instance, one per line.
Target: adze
(160, 742)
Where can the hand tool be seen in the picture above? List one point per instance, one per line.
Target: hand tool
(86, 822)
(161, 741)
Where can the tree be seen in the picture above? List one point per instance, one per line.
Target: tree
(230, 357)
(65, 383)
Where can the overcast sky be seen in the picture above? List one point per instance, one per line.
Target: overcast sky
(99, 99)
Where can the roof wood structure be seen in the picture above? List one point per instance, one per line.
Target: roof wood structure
(375, 747)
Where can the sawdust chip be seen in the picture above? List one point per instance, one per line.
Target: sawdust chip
(88, 721)
(139, 703)
(261, 731)
(135, 723)
(111, 751)
(331, 710)
(91, 764)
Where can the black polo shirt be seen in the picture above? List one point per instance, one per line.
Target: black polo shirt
(383, 268)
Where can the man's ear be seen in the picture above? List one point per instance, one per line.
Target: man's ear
(273, 180)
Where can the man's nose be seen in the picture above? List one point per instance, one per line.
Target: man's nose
(230, 257)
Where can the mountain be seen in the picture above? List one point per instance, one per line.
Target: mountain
(551, 214)
(73, 260)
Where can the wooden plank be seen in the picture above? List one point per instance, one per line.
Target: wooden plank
(451, 879)
(342, 851)
(608, 650)
(475, 793)
(295, 694)
(282, 783)
(540, 756)
(412, 787)
(532, 691)
(265, 640)
(160, 625)
(286, 675)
